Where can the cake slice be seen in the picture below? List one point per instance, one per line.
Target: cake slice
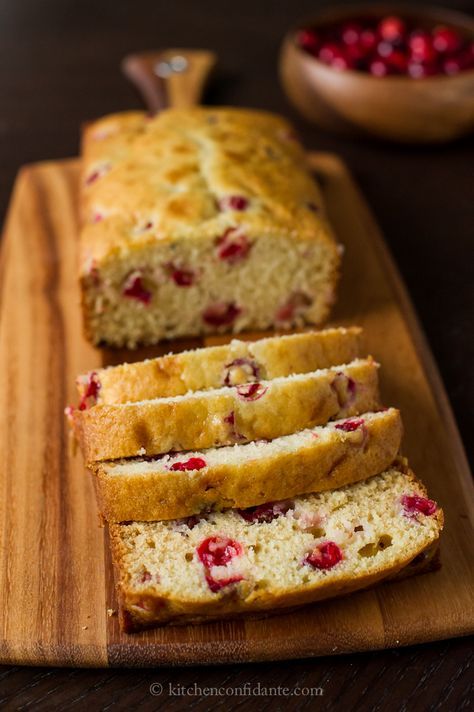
(225, 416)
(288, 553)
(187, 483)
(228, 365)
(198, 221)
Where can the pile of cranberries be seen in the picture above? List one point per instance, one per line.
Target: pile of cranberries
(389, 46)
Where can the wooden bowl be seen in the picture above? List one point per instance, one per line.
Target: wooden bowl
(399, 108)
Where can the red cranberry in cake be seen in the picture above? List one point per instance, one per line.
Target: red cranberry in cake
(350, 425)
(145, 576)
(230, 419)
(345, 389)
(97, 217)
(251, 391)
(218, 551)
(325, 556)
(265, 513)
(296, 304)
(182, 277)
(233, 202)
(135, 289)
(217, 584)
(414, 504)
(233, 246)
(91, 391)
(221, 314)
(194, 463)
(97, 173)
(240, 369)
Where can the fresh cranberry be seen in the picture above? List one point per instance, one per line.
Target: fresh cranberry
(91, 391)
(194, 463)
(367, 40)
(216, 585)
(458, 63)
(351, 32)
(233, 246)
(446, 40)
(135, 289)
(251, 391)
(183, 277)
(419, 70)
(295, 305)
(221, 314)
(218, 551)
(392, 29)
(414, 503)
(348, 426)
(307, 39)
(265, 513)
(233, 202)
(324, 556)
(398, 61)
(246, 365)
(421, 46)
(344, 61)
(379, 68)
(384, 49)
(328, 51)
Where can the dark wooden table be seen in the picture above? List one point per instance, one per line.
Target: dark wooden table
(59, 67)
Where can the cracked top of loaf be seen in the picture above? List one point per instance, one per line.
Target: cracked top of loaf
(193, 174)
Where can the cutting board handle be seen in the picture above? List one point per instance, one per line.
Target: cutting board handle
(169, 77)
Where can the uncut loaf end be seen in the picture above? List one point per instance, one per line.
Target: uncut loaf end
(199, 221)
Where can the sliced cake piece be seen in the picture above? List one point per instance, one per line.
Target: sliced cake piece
(225, 416)
(186, 483)
(288, 553)
(200, 220)
(228, 365)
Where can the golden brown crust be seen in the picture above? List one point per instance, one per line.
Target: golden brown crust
(214, 367)
(319, 465)
(210, 153)
(226, 416)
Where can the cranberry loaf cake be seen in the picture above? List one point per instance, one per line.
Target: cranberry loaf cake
(225, 416)
(286, 553)
(187, 483)
(198, 221)
(215, 366)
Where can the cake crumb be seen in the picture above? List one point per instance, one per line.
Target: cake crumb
(111, 612)
(85, 627)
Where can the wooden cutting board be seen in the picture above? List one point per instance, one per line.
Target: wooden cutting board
(55, 572)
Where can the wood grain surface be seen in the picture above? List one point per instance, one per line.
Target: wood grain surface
(55, 574)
